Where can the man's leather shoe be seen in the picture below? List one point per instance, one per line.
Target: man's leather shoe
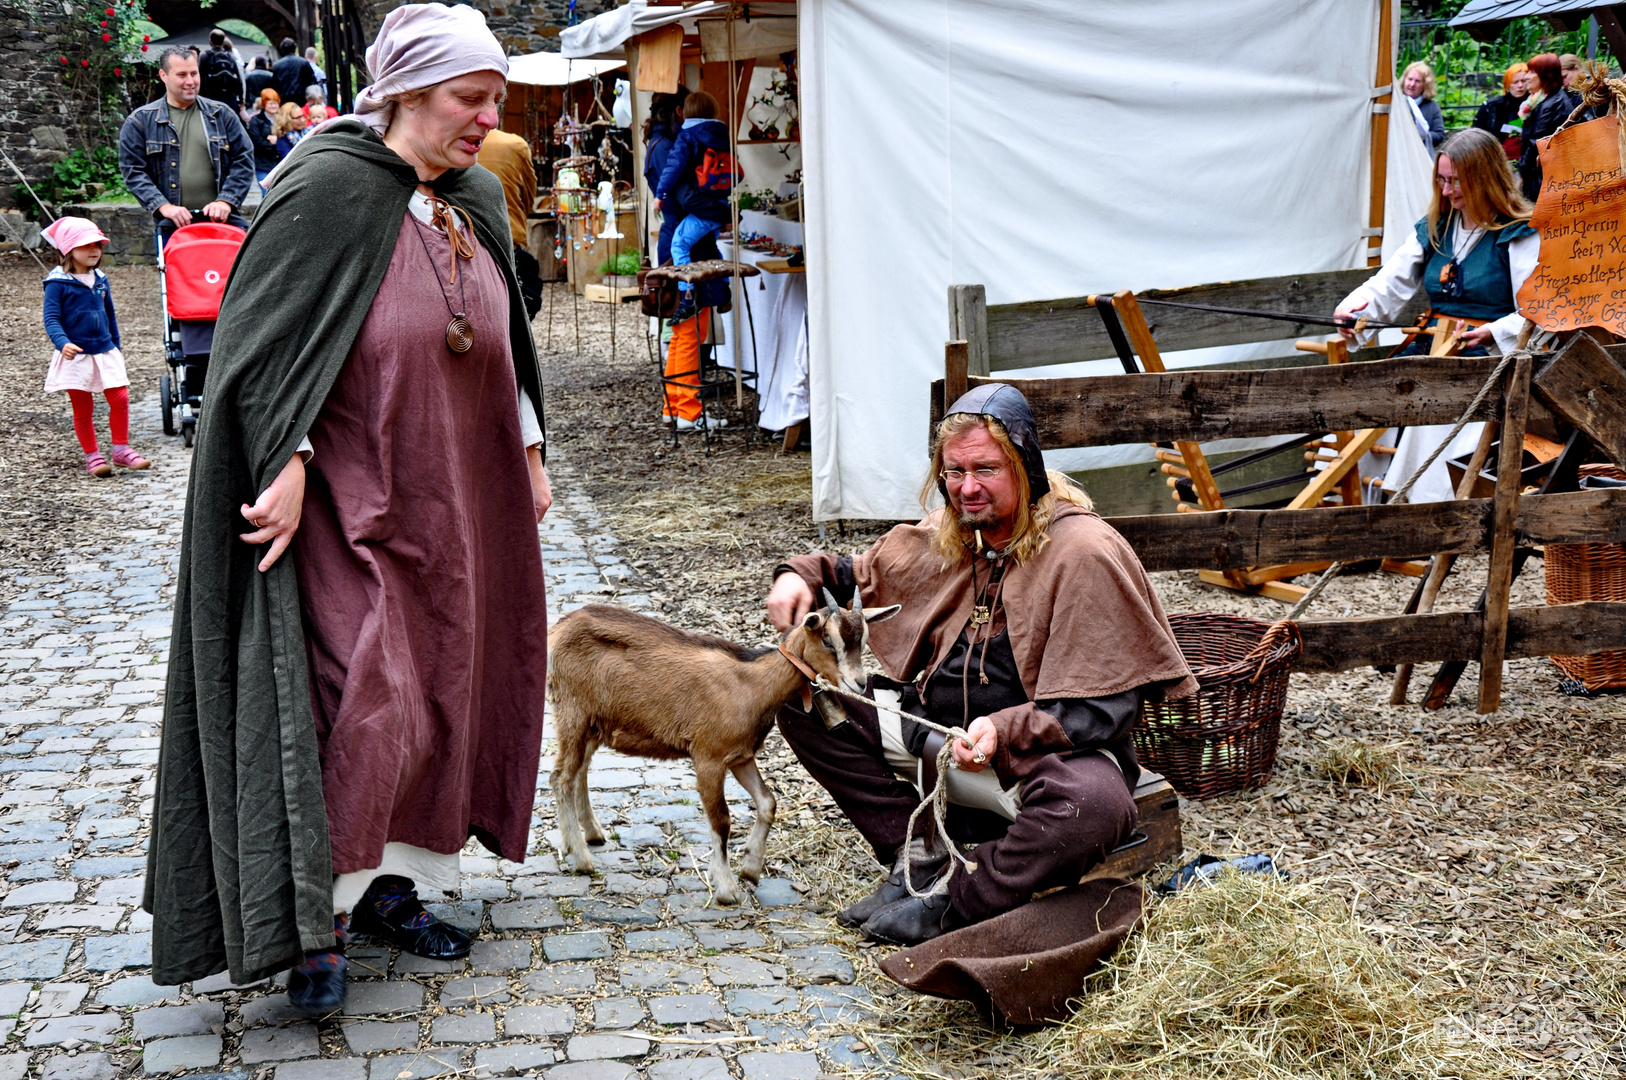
(318, 986)
(391, 911)
(921, 871)
(909, 921)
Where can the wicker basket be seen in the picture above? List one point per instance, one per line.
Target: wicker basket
(1577, 572)
(1223, 738)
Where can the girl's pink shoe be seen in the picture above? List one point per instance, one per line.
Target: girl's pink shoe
(96, 465)
(125, 458)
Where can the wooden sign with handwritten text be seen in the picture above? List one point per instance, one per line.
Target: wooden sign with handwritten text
(1581, 280)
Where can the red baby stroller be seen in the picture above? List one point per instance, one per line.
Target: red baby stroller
(194, 262)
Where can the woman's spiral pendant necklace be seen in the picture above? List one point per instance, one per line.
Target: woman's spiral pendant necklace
(459, 331)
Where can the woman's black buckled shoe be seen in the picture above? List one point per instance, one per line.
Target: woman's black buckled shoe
(392, 912)
(318, 986)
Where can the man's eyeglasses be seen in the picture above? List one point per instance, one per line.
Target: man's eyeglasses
(983, 475)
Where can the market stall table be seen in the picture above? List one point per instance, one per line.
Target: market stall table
(773, 324)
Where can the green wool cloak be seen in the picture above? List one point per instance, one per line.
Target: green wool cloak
(239, 874)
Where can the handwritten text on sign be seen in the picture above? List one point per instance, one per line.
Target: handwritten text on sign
(1581, 280)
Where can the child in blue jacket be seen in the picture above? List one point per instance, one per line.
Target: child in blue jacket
(79, 318)
(699, 176)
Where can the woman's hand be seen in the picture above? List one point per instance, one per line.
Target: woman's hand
(1478, 337)
(541, 488)
(70, 350)
(276, 514)
(974, 757)
(1348, 332)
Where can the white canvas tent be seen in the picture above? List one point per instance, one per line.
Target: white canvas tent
(1046, 148)
(551, 69)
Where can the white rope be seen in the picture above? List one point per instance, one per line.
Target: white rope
(937, 799)
(1405, 489)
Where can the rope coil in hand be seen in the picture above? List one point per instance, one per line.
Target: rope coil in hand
(937, 799)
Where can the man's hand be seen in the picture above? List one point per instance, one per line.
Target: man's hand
(789, 601)
(541, 488)
(276, 515)
(984, 741)
(180, 215)
(217, 211)
(657, 204)
(70, 350)
(1477, 338)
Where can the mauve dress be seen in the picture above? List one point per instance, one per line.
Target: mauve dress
(421, 576)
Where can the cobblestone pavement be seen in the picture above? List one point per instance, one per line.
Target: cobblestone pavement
(605, 978)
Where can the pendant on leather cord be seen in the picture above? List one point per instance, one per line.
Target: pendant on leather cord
(459, 334)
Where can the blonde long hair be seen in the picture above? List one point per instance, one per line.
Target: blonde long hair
(1486, 178)
(1032, 531)
(285, 120)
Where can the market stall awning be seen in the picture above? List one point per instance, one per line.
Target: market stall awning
(552, 69)
(1485, 19)
(770, 29)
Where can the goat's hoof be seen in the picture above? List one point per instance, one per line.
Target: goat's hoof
(726, 892)
(581, 864)
(750, 873)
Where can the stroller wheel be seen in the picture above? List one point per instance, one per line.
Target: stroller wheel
(189, 428)
(166, 404)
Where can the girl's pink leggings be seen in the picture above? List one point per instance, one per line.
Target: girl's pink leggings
(118, 418)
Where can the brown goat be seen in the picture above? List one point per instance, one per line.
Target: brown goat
(639, 686)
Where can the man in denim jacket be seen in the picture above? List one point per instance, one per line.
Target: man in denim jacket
(184, 151)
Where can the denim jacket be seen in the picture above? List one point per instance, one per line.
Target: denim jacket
(150, 154)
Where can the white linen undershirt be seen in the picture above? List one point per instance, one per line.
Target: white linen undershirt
(530, 428)
(1387, 292)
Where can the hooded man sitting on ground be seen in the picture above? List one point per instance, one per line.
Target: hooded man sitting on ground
(1028, 622)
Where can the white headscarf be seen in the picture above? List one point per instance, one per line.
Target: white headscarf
(421, 45)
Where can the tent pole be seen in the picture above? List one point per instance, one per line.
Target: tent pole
(1384, 77)
(734, 213)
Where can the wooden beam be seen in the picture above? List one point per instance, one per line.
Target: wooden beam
(1330, 477)
(1611, 25)
(955, 361)
(1582, 629)
(1236, 539)
(1585, 385)
(1509, 477)
(1199, 406)
(968, 322)
(660, 60)
(1378, 169)
(1067, 330)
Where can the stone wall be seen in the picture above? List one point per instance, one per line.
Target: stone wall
(37, 126)
(523, 26)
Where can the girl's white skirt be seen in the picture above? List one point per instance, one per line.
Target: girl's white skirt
(87, 371)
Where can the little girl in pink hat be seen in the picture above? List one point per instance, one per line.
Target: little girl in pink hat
(79, 317)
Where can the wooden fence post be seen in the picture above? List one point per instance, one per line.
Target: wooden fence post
(1509, 476)
(956, 375)
(968, 322)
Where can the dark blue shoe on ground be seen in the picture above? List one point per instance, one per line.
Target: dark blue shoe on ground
(318, 986)
(391, 912)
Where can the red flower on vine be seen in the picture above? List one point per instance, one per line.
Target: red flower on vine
(110, 11)
(64, 59)
(146, 37)
(104, 22)
(118, 73)
(107, 37)
(143, 48)
(84, 63)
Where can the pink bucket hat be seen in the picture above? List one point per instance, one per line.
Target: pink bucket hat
(68, 233)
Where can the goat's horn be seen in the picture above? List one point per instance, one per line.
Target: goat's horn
(830, 600)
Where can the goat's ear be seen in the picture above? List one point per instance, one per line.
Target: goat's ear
(830, 601)
(813, 621)
(881, 614)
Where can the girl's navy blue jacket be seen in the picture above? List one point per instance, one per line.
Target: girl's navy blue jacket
(79, 313)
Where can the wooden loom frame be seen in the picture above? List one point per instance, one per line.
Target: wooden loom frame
(1584, 385)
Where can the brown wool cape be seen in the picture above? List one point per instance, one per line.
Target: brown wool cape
(1083, 619)
(239, 874)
